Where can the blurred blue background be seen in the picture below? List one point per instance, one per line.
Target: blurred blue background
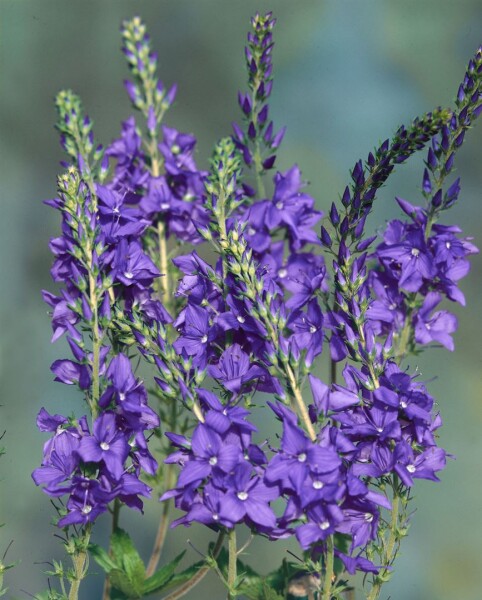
(346, 75)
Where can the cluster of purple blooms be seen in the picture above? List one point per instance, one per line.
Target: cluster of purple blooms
(255, 321)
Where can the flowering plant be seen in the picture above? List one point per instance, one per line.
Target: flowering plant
(229, 284)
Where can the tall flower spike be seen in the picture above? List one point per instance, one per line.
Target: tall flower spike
(146, 91)
(259, 141)
(77, 137)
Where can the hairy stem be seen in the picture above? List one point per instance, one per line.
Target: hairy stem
(258, 166)
(303, 411)
(232, 563)
(80, 560)
(329, 568)
(163, 280)
(389, 553)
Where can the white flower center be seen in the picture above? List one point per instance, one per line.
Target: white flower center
(128, 275)
(104, 445)
(403, 404)
(393, 306)
(302, 457)
(240, 319)
(251, 231)
(175, 149)
(213, 461)
(215, 517)
(368, 517)
(282, 273)
(324, 525)
(279, 205)
(448, 245)
(122, 396)
(313, 329)
(243, 496)
(204, 339)
(415, 252)
(164, 205)
(317, 485)
(87, 508)
(379, 429)
(411, 468)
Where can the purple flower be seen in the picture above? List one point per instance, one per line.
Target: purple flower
(249, 497)
(107, 444)
(234, 370)
(131, 266)
(436, 327)
(209, 455)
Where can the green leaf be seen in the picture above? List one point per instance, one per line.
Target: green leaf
(158, 581)
(102, 558)
(126, 555)
(120, 581)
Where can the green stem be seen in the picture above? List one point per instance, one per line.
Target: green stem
(232, 563)
(163, 281)
(258, 165)
(329, 568)
(79, 560)
(302, 410)
(390, 548)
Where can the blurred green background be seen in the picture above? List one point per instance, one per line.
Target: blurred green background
(347, 74)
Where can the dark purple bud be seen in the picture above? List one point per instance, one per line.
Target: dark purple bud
(463, 120)
(278, 138)
(432, 159)
(343, 253)
(362, 246)
(81, 163)
(476, 112)
(453, 192)
(461, 94)
(248, 190)
(325, 238)
(263, 115)
(151, 120)
(437, 199)
(334, 216)
(360, 227)
(427, 184)
(171, 94)
(238, 132)
(251, 130)
(268, 85)
(268, 133)
(248, 159)
(86, 311)
(445, 141)
(246, 106)
(346, 198)
(104, 166)
(344, 226)
(449, 163)
(268, 163)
